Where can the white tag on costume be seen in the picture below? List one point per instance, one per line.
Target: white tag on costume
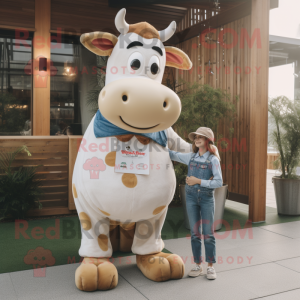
(132, 157)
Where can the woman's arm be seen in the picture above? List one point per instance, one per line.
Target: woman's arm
(217, 181)
(180, 157)
(175, 142)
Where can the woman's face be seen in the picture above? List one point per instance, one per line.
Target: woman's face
(200, 141)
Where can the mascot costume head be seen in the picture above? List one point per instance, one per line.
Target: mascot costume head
(123, 181)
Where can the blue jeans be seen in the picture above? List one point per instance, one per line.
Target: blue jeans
(200, 207)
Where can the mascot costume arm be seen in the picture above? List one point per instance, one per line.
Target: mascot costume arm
(176, 143)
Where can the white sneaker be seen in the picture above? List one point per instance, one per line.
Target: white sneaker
(196, 271)
(211, 273)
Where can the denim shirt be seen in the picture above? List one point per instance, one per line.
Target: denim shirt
(185, 158)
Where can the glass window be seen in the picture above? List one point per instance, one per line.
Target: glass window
(15, 84)
(75, 87)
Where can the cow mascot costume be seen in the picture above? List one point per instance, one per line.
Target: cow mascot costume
(123, 180)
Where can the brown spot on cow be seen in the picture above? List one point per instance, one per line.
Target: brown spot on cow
(145, 30)
(103, 242)
(110, 158)
(85, 221)
(104, 212)
(158, 209)
(129, 180)
(74, 191)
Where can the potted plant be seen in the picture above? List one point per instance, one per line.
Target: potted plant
(202, 105)
(19, 188)
(286, 139)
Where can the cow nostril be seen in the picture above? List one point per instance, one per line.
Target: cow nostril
(103, 93)
(124, 98)
(165, 104)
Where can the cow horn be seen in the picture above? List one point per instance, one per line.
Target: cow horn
(120, 22)
(168, 32)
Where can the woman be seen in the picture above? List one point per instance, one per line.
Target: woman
(204, 175)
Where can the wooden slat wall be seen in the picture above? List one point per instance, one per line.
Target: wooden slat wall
(226, 62)
(79, 16)
(17, 14)
(194, 16)
(52, 153)
(271, 158)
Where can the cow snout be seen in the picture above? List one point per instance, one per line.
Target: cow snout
(139, 105)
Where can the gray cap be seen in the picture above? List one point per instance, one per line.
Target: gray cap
(205, 131)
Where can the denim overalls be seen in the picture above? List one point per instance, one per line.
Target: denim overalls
(200, 204)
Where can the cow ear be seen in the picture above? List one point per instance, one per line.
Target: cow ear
(176, 58)
(100, 43)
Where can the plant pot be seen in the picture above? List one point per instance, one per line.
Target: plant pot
(287, 193)
(220, 199)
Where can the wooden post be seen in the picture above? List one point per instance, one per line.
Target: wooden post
(258, 111)
(41, 82)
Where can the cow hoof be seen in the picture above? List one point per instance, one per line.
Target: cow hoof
(96, 274)
(161, 266)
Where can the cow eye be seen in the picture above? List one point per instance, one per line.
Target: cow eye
(135, 64)
(153, 67)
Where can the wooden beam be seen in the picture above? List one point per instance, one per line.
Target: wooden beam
(258, 111)
(126, 3)
(161, 10)
(50, 211)
(41, 82)
(16, 27)
(208, 6)
(222, 18)
(170, 6)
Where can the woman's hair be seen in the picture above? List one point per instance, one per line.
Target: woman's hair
(209, 146)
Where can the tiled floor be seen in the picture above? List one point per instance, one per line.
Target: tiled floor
(264, 263)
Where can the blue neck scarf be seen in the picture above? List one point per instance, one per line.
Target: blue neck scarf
(104, 128)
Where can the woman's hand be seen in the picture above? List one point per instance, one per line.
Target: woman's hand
(193, 180)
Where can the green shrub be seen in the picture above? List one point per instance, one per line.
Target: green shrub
(285, 115)
(181, 171)
(205, 106)
(19, 189)
(202, 106)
